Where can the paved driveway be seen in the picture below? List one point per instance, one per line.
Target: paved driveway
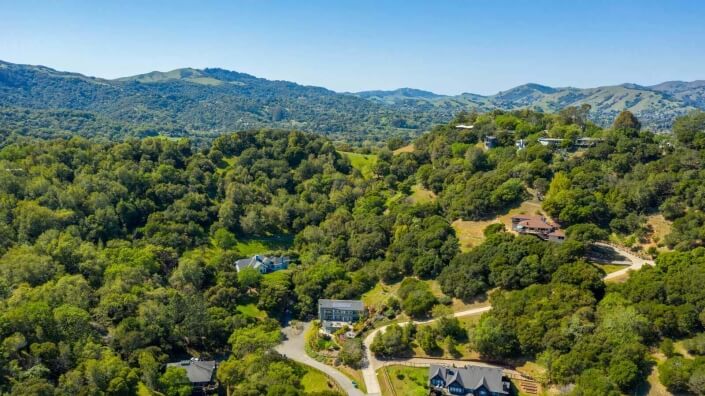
(370, 368)
(293, 348)
(636, 261)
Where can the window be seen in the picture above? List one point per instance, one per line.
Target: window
(456, 390)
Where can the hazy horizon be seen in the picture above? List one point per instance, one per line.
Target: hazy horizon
(446, 48)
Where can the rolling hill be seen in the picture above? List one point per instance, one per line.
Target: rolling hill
(656, 106)
(205, 103)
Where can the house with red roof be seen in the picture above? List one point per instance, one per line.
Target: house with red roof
(539, 226)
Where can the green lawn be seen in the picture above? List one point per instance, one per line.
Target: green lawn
(143, 390)
(315, 381)
(406, 381)
(609, 268)
(361, 162)
(252, 311)
(421, 195)
(252, 246)
(379, 294)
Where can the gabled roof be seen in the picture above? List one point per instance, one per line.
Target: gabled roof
(198, 371)
(470, 377)
(535, 223)
(352, 305)
(454, 377)
(257, 261)
(526, 217)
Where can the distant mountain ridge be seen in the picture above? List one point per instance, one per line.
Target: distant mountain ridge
(207, 102)
(656, 106)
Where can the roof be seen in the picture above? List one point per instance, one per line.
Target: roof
(198, 371)
(471, 377)
(535, 223)
(463, 126)
(256, 261)
(526, 217)
(590, 139)
(351, 305)
(557, 232)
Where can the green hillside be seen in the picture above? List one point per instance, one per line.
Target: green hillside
(656, 106)
(206, 103)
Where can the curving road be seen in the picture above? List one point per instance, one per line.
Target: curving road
(369, 371)
(636, 261)
(293, 346)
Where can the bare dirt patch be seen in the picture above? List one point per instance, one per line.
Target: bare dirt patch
(406, 149)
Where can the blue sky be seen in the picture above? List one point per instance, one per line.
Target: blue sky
(444, 46)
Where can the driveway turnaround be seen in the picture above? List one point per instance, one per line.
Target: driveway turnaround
(636, 261)
(293, 348)
(372, 364)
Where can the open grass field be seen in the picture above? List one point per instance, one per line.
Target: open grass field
(470, 233)
(406, 149)
(316, 381)
(421, 195)
(361, 162)
(653, 386)
(463, 350)
(143, 390)
(661, 227)
(378, 296)
(398, 380)
(251, 311)
(252, 246)
(610, 268)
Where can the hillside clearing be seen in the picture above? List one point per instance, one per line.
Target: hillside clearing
(409, 148)
(378, 296)
(315, 381)
(421, 195)
(397, 380)
(470, 233)
(660, 227)
(361, 162)
(252, 246)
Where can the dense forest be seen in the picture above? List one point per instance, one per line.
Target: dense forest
(117, 257)
(42, 102)
(205, 102)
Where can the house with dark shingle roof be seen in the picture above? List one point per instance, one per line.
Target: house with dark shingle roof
(335, 314)
(200, 373)
(469, 380)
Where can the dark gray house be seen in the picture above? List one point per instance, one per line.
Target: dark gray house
(201, 373)
(335, 314)
(491, 141)
(469, 380)
(263, 264)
